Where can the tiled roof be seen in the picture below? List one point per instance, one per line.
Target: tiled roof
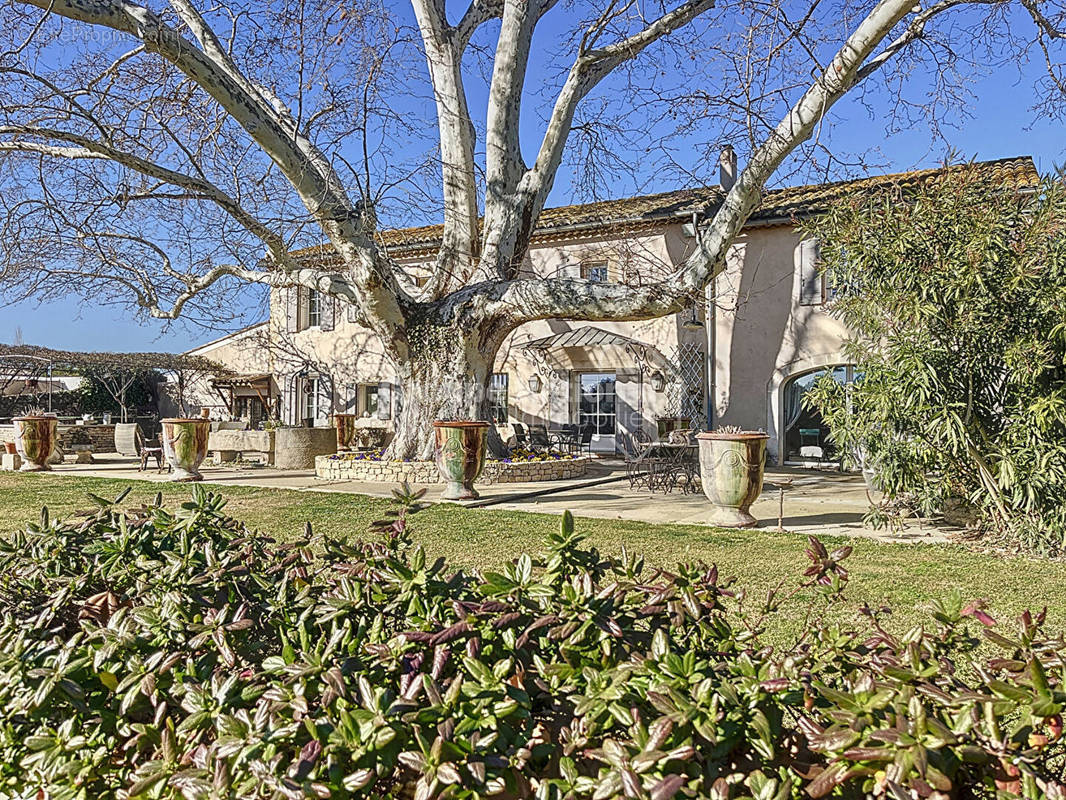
(777, 204)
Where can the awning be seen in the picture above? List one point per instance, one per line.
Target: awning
(261, 380)
(589, 336)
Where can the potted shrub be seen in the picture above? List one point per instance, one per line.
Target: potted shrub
(35, 439)
(185, 446)
(346, 431)
(460, 456)
(731, 470)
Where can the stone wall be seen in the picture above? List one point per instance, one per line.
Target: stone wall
(422, 472)
(102, 437)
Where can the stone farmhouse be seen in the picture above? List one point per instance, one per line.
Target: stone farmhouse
(743, 355)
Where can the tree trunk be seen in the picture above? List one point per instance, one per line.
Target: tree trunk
(445, 377)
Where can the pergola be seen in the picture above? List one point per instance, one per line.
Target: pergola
(116, 370)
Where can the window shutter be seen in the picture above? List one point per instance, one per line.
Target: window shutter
(384, 400)
(352, 312)
(292, 309)
(810, 274)
(329, 311)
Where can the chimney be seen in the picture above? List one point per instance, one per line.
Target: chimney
(727, 168)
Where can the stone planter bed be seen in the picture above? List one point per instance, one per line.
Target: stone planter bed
(423, 472)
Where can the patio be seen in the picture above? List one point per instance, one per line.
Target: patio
(818, 502)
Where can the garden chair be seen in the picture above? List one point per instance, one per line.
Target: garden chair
(130, 441)
(539, 439)
(519, 435)
(636, 447)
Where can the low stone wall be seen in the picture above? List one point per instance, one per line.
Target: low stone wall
(227, 445)
(422, 472)
(102, 437)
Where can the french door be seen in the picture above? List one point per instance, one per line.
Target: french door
(597, 408)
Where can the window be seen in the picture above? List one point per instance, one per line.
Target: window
(498, 398)
(370, 399)
(812, 281)
(314, 308)
(595, 271)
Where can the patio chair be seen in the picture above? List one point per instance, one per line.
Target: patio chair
(130, 441)
(540, 440)
(584, 443)
(519, 435)
(637, 468)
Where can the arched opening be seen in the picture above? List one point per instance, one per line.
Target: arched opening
(805, 436)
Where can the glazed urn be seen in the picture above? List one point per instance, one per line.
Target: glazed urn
(185, 446)
(35, 439)
(460, 457)
(346, 431)
(731, 471)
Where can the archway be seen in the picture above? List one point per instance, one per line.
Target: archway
(796, 434)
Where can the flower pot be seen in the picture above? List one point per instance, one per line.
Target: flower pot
(185, 446)
(731, 470)
(10, 448)
(346, 431)
(460, 457)
(667, 424)
(35, 439)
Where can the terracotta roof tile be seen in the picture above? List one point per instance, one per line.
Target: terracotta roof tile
(784, 203)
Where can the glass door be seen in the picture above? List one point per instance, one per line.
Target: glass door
(597, 408)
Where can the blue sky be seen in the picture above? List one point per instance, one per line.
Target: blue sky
(1001, 125)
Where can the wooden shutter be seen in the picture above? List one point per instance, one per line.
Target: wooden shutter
(292, 309)
(384, 400)
(328, 304)
(810, 274)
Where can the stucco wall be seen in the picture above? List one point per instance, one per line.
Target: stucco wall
(763, 334)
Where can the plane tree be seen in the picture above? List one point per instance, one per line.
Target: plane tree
(167, 154)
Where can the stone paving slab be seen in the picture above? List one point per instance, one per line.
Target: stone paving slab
(827, 503)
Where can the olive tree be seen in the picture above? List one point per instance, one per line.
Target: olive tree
(170, 152)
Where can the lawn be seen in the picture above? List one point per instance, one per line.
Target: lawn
(904, 576)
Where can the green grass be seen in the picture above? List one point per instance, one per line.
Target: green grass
(903, 576)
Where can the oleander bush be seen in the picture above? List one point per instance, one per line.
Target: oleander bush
(173, 653)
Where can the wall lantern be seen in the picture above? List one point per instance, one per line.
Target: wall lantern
(692, 320)
(658, 381)
(534, 383)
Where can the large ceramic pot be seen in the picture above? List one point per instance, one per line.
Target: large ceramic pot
(185, 446)
(35, 439)
(731, 470)
(460, 456)
(346, 436)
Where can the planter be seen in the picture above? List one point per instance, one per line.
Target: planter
(185, 446)
(345, 425)
(35, 439)
(460, 457)
(731, 470)
(296, 448)
(10, 448)
(667, 424)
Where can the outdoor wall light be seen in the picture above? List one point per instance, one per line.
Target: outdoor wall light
(534, 383)
(658, 381)
(692, 320)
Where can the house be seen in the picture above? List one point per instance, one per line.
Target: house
(742, 355)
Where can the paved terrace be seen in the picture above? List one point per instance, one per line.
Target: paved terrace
(823, 502)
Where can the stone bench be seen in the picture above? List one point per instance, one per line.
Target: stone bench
(228, 445)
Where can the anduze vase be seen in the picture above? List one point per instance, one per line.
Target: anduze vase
(35, 439)
(731, 470)
(185, 446)
(460, 456)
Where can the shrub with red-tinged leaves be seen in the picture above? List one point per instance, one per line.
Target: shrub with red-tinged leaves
(158, 654)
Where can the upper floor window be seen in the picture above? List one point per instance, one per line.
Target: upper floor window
(595, 271)
(812, 288)
(314, 308)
